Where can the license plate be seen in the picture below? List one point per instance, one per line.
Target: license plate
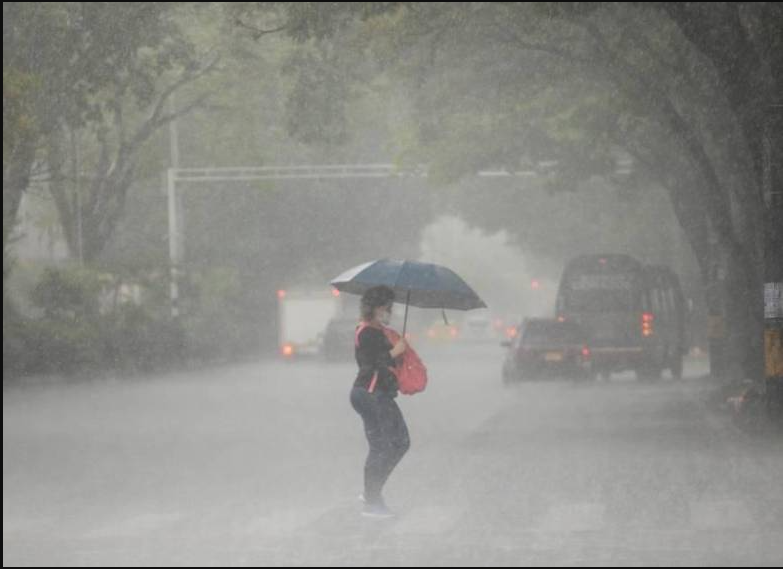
(553, 357)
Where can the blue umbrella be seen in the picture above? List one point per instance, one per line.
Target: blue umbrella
(424, 285)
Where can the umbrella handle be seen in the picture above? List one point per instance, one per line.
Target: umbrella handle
(405, 321)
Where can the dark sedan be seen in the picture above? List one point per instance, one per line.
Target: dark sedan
(547, 348)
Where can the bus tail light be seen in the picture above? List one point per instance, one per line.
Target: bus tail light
(647, 324)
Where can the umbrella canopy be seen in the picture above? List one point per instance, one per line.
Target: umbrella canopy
(424, 285)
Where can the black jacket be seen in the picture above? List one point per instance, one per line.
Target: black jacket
(372, 354)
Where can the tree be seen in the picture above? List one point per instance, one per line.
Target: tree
(684, 88)
(58, 59)
(127, 121)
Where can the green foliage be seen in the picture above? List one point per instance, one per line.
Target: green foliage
(61, 346)
(217, 323)
(141, 338)
(86, 321)
(68, 294)
(67, 337)
(18, 118)
(315, 111)
(81, 326)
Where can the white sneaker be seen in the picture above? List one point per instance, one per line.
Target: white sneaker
(377, 511)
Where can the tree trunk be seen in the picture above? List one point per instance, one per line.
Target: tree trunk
(59, 189)
(16, 179)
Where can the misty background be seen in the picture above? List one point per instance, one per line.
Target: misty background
(170, 170)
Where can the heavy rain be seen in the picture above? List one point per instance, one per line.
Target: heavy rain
(392, 284)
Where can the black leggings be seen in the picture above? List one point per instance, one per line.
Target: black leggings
(387, 434)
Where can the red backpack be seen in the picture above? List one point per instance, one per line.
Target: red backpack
(411, 372)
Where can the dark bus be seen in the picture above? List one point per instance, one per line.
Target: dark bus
(634, 314)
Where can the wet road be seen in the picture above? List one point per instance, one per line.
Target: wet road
(261, 464)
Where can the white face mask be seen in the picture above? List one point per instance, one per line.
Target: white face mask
(384, 316)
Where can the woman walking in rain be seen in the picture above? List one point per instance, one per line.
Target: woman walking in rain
(373, 397)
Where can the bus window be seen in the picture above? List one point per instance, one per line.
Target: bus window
(665, 301)
(654, 304)
(599, 301)
(600, 293)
